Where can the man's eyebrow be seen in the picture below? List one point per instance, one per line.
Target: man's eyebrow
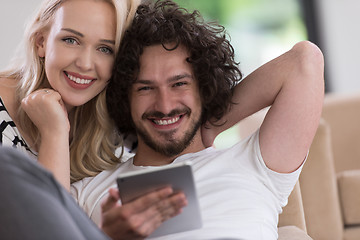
(108, 41)
(82, 35)
(142, 81)
(180, 76)
(171, 79)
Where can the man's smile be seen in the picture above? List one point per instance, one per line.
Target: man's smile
(163, 122)
(172, 119)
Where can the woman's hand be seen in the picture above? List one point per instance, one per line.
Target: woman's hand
(47, 111)
(139, 218)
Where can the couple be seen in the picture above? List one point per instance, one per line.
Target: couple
(173, 74)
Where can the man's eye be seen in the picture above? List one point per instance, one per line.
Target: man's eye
(106, 50)
(144, 89)
(179, 84)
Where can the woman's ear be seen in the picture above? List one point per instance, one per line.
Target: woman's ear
(40, 44)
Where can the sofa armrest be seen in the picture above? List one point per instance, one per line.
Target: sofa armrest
(293, 233)
(293, 212)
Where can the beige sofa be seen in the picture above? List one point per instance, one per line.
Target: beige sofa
(292, 220)
(330, 181)
(329, 185)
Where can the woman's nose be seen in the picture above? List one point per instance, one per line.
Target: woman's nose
(85, 60)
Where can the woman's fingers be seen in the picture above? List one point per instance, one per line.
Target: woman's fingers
(46, 110)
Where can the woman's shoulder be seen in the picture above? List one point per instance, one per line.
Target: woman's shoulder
(7, 93)
(7, 83)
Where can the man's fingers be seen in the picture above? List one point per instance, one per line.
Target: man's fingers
(144, 202)
(142, 216)
(111, 200)
(168, 207)
(147, 221)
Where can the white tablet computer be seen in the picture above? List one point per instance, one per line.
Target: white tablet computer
(180, 177)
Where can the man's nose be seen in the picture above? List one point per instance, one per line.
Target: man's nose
(164, 101)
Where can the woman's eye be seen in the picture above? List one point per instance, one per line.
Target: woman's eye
(106, 50)
(70, 41)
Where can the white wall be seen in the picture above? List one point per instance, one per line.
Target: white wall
(340, 31)
(13, 15)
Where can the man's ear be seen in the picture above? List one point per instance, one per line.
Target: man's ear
(40, 44)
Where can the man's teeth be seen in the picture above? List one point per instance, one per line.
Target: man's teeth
(79, 80)
(167, 122)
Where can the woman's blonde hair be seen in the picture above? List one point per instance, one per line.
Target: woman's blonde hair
(93, 140)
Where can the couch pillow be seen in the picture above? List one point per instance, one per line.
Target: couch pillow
(349, 192)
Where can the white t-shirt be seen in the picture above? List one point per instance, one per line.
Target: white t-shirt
(240, 198)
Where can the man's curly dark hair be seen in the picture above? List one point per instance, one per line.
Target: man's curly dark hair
(211, 58)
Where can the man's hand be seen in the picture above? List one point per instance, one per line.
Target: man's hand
(138, 219)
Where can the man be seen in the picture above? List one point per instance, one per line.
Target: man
(175, 73)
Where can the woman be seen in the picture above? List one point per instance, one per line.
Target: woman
(55, 95)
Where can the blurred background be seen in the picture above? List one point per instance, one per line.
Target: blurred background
(260, 30)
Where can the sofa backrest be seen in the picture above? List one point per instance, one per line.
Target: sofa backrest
(342, 113)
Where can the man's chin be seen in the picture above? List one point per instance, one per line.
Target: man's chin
(170, 149)
(171, 152)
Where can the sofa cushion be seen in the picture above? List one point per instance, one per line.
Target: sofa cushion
(349, 192)
(293, 233)
(352, 233)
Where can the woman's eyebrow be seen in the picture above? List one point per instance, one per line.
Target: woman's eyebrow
(73, 31)
(82, 35)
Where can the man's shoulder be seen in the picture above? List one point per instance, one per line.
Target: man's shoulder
(238, 150)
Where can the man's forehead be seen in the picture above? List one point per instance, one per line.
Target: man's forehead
(167, 49)
(156, 61)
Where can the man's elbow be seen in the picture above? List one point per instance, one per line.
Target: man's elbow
(310, 55)
(310, 62)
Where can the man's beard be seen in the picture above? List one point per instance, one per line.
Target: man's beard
(171, 147)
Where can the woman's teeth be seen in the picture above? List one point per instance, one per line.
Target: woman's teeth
(167, 122)
(79, 80)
